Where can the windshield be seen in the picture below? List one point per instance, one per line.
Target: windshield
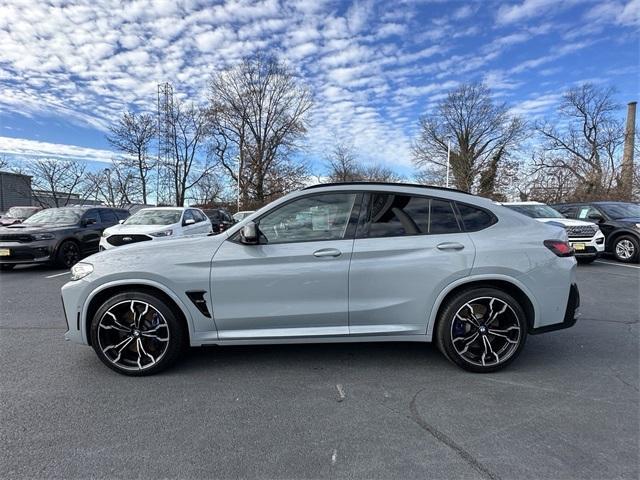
(536, 211)
(154, 217)
(60, 216)
(21, 212)
(621, 210)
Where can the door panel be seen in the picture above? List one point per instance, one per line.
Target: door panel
(393, 282)
(281, 290)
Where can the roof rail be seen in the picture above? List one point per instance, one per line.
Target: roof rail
(393, 184)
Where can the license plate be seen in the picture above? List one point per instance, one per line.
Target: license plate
(5, 252)
(578, 247)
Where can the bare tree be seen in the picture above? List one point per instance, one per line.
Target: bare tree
(482, 134)
(585, 142)
(343, 166)
(188, 127)
(4, 162)
(57, 181)
(116, 186)
(208, 190)
(132, 135)
(258, 111)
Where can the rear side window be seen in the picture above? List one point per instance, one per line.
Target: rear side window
(199, 216)
(392, 215)
(475, 219)
(188, 215)
(92, 215)
(108, 216)
(122, 214)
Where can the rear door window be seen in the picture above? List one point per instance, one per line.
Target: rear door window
(188, 215)
(108, 216)
(91, 215)
(393, 215)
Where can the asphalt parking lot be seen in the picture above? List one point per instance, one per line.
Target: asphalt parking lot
(567, 408)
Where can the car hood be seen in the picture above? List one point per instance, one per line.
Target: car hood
(567, 222)
(9, 220)
(156, 256)
(137, 229)
(43, 227)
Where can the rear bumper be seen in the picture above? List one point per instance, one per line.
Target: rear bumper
(570, 316)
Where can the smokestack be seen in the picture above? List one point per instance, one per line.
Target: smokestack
(626, 176)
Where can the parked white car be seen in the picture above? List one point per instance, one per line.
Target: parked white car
(585, 237)
(159, 223)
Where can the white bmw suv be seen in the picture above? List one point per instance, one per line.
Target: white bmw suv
(159, 223)
(360, 262)
(585, 237)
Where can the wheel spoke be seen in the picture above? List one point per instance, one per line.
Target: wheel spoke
(488, 350)
(141, 351)
(506, 337)
(147, 335)
(468, 341)
(119, 348)
(493, 315)
(138, 317)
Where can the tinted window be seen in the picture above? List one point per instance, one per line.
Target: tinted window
(567, 210)
(92, 215)
(122, 214)
(584, 212)
(474, 218)
(397, 215)
(188, 215)
(313, 218)
(108, 216)
(442, 218)
(197, 216)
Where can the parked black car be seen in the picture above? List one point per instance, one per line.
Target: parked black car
(61, 236)
(220, 218)
(619, 221)
(17, 215)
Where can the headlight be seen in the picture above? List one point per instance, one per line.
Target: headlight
(43, 236)
(164, 233)
(81, 270)
(638, 226)
(105, 234)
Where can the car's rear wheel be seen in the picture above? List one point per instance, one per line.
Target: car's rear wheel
(136, 333)
(481, 329)
(68, 254)
(626, 249)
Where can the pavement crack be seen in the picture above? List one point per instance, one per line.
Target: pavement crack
(445, 440)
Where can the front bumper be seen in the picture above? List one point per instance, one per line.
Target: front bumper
(570, 316)
(588, 247)
(24, 253)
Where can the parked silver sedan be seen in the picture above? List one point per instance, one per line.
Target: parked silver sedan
(336, 263)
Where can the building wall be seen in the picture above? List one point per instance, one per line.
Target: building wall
(15, 190)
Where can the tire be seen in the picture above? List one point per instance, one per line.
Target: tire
(455, 325)
(5, 267)
(626, 249)
(68, 254)
(586, 260)
(159, 340)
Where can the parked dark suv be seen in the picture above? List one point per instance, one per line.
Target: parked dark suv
(220, 218)
(61, 236)
(619, 221)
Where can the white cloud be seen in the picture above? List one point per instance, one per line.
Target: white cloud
(33, 148)
(529, 9)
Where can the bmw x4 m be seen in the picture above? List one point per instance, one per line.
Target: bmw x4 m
(334, 263)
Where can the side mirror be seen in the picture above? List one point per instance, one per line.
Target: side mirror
(88, 221)
(596, 217)
(120, 222)
(249, 234)
(189, 221)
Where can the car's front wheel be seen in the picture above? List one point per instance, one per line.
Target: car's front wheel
(626, 249)
(68, 254)
(136, 333)
(481, 329)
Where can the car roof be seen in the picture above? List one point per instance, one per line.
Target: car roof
(522, 203)
(163, 208)
(377, 184)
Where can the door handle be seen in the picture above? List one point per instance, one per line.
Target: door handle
(447, 246)
(327, 252)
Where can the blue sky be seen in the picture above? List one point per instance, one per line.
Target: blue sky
(67, 69)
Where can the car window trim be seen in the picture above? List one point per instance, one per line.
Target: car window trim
(494, 218)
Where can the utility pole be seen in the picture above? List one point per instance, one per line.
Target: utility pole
(626, 173)
(448, 159)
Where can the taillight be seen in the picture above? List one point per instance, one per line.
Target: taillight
(560, 248)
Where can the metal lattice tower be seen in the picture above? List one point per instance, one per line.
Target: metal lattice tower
(165, 114)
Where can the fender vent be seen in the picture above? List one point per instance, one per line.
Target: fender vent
(197, 297)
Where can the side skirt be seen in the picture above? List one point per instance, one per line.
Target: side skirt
(305, 340)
